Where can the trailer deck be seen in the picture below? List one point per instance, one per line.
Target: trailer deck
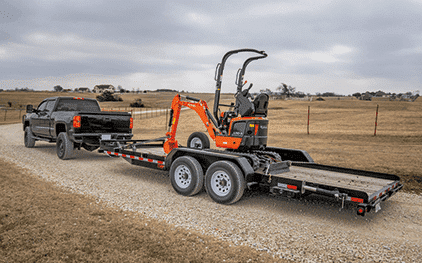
(369, 185)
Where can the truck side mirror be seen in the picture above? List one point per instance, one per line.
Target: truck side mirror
(29, 108)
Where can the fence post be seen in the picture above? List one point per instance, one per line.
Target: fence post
(5, 112)
(376, 121)
(309, 112)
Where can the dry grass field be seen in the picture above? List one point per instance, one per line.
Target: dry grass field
(341, 134)
(341, 131)
(41, 222)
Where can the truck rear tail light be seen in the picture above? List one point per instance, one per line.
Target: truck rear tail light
(293, 187)
(131, 123)
(77, 98)
(357, 200)
(76, 121)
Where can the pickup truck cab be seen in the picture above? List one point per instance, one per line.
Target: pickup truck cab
(73, 123)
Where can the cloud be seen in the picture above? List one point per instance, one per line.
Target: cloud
(339, 41)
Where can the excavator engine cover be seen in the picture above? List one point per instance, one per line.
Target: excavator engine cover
(253, 131)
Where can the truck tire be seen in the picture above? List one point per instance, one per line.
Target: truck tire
(224, 182)
(64, 146)
(198, 140)
(186, 176)
(29, 139)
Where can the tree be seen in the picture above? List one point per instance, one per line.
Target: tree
(357, 95)
(58, 88)
(267, 90)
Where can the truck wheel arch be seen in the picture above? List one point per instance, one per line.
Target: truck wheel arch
(60, 127)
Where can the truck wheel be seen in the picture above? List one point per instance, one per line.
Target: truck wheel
(64, 146)
(198, 140)
(224, 182)
(29, 139)
(186, 176)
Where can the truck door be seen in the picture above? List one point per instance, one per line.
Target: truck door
(48, 120)
(36, 119)
(41, 124)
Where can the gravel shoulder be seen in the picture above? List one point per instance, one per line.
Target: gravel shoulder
(309, 230)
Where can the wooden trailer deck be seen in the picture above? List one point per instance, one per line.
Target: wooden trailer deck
(370, 185)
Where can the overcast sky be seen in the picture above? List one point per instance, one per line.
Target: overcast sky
(315, 46)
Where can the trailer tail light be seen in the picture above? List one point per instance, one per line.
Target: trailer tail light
(293, 187)
(131, 123)
(357, 200)
(361, 211)
(76, 121)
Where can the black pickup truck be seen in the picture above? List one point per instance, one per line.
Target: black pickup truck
(73, 123)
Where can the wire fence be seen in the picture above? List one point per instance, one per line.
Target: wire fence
(141, 113)
(11, 114)
(15, 115)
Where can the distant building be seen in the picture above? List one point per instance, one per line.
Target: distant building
(82, 89)
(166, 90)
(102, 88)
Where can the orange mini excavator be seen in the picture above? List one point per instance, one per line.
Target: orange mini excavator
(243, 127)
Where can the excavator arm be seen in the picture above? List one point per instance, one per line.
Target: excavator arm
(201, 109)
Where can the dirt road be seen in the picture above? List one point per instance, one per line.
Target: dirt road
(310, 230)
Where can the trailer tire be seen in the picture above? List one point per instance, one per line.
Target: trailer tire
(186, 176)
(28, 138)
(198, 140)
(64, 146)
(224, 182)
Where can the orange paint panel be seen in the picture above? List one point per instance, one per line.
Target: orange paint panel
(227, 142)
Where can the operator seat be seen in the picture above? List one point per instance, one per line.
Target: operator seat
(261, 105)
(244, 106)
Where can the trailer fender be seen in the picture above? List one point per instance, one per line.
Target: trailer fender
(207, 157)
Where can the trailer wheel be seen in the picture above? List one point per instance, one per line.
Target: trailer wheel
(28, 138)
(64, 146)
(186, 176)
(198, 140)
(224, 182)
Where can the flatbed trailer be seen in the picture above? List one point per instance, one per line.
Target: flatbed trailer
(225, 174)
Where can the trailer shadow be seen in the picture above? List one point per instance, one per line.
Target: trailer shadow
(314, 206)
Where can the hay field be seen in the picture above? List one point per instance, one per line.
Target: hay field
(341, 134)
(150, 99)
(341, 131)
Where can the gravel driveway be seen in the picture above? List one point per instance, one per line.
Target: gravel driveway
(309, 230)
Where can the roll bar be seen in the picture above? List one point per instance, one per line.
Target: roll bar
(219, 74)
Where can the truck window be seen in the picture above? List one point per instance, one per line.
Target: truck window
(42, 106)
(78, 105)
(50, 105)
